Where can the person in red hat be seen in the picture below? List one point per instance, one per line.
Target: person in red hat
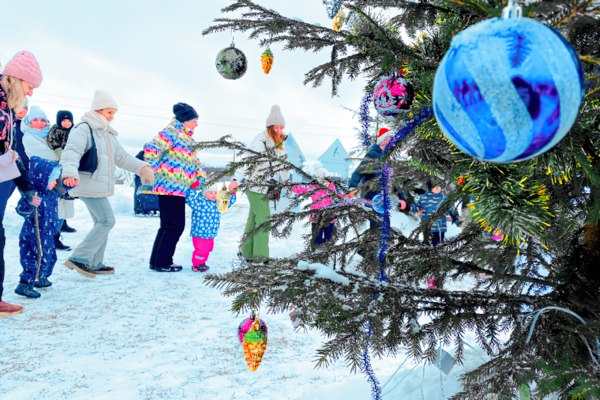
(368, 170)
(20, 77)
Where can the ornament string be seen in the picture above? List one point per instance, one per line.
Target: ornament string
(538, 313)
(512, 10)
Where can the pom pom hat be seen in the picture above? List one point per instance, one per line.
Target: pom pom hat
(24, 66)
(184, 112)
(383, 134)
(63, 114)
(102, 100)
(275, 117)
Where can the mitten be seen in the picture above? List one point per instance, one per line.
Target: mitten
(233, 186)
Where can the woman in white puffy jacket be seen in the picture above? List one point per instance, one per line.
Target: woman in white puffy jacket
(256, 247)
(95, 188)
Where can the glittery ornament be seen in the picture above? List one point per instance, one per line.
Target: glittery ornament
(338, 20)
(252, 333)
(508, 89)
(266, 60)
(332, 6)
(231, 63)
(392, 95)
(223, 199)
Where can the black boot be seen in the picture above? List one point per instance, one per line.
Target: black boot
(67, 228)
(59, 245)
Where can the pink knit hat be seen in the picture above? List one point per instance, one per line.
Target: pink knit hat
(24, 66)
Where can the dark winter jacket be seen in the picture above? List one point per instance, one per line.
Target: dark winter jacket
(57, 137)
(40, 173)
(429, 203)
(368, 173)
(6, 131)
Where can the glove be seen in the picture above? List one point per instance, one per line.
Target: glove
(147, 175)
(233, 186)
(34, 200)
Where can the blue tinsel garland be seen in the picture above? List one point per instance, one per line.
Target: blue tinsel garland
(384, 227)
(368, 370)
(412, 124)
(365, 120)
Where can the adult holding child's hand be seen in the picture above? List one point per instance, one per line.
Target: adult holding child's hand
(94, 183)
(174, 157)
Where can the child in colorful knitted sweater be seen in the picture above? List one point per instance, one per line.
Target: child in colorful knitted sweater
(206, 219)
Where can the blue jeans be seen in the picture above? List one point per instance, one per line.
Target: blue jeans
(6, 190)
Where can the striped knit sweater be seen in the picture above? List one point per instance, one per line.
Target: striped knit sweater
(174, 159)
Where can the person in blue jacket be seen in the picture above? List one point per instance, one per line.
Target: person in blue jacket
(38, 257)
(206, 220)
(427, 205)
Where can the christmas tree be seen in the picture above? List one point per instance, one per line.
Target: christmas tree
(539, 284)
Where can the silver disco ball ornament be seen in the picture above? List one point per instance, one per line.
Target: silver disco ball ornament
(231, 63)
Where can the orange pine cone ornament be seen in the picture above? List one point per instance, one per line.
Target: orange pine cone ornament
(255, 345)
(266, 59)
(338, 20)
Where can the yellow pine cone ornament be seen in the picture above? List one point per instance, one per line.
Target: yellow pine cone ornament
(223, 199)
(266, 59)
(255, 345)
(338, 20)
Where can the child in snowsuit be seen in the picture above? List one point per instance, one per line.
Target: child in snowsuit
(206, 219)
(321, 233)
(427, 205)
(57, 140)
(43, 174)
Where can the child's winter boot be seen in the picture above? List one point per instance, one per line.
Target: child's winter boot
(26, 289)
(43, 282)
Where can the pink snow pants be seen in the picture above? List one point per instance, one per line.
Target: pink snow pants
(202, 248)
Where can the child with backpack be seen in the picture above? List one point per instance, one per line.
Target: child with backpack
(206, 220)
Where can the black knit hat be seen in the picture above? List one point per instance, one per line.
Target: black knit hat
(184, 112)
(63, 114)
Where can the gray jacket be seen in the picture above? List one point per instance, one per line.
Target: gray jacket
(111, 154)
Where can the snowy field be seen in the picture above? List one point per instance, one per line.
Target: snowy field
(139, 334)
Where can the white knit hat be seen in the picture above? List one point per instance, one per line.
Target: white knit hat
(275, 117)
(102, 99)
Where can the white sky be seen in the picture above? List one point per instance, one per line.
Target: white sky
(151, 54)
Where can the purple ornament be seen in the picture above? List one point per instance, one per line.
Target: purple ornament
(245, 326)
(392, 96)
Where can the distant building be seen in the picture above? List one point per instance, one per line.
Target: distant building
(295, 156)
(335, 160)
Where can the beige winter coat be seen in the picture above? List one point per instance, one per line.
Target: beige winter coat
(111, 154)
(261, 143)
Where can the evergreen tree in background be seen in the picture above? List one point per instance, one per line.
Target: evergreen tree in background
(540, 285)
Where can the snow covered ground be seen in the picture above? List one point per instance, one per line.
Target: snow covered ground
(139, 334)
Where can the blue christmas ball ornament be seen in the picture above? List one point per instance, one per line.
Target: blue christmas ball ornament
(377, 204)
(508, 89)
